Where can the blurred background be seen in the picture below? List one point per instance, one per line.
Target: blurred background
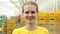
(11, 15)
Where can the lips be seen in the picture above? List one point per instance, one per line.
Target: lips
(30, 18)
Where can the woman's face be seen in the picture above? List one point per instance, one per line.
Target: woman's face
(30, 13)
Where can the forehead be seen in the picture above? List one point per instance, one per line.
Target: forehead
(29, 7)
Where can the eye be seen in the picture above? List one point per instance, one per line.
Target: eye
(27, 12)
(33, 12)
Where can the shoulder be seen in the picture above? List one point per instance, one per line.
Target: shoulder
(43, 28)
(18, 30)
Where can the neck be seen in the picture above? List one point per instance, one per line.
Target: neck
(31, 26)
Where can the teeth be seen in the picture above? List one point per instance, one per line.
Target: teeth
(29, 18)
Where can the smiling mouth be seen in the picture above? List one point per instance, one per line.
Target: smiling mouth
(30, 18)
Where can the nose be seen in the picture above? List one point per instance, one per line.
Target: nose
(29, 14)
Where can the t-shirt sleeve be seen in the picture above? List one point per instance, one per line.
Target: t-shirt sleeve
(46, 31)
(15, 31)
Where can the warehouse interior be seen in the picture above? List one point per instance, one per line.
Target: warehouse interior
(11, 15)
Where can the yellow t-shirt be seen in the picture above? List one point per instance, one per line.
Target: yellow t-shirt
(23, 30)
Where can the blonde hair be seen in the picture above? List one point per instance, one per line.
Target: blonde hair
(31, 3)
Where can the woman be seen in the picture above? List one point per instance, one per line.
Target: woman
(30, 12)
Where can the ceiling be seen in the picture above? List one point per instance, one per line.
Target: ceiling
(13, 7)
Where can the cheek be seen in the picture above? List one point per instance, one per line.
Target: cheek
(35, 15)
(25, 15)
